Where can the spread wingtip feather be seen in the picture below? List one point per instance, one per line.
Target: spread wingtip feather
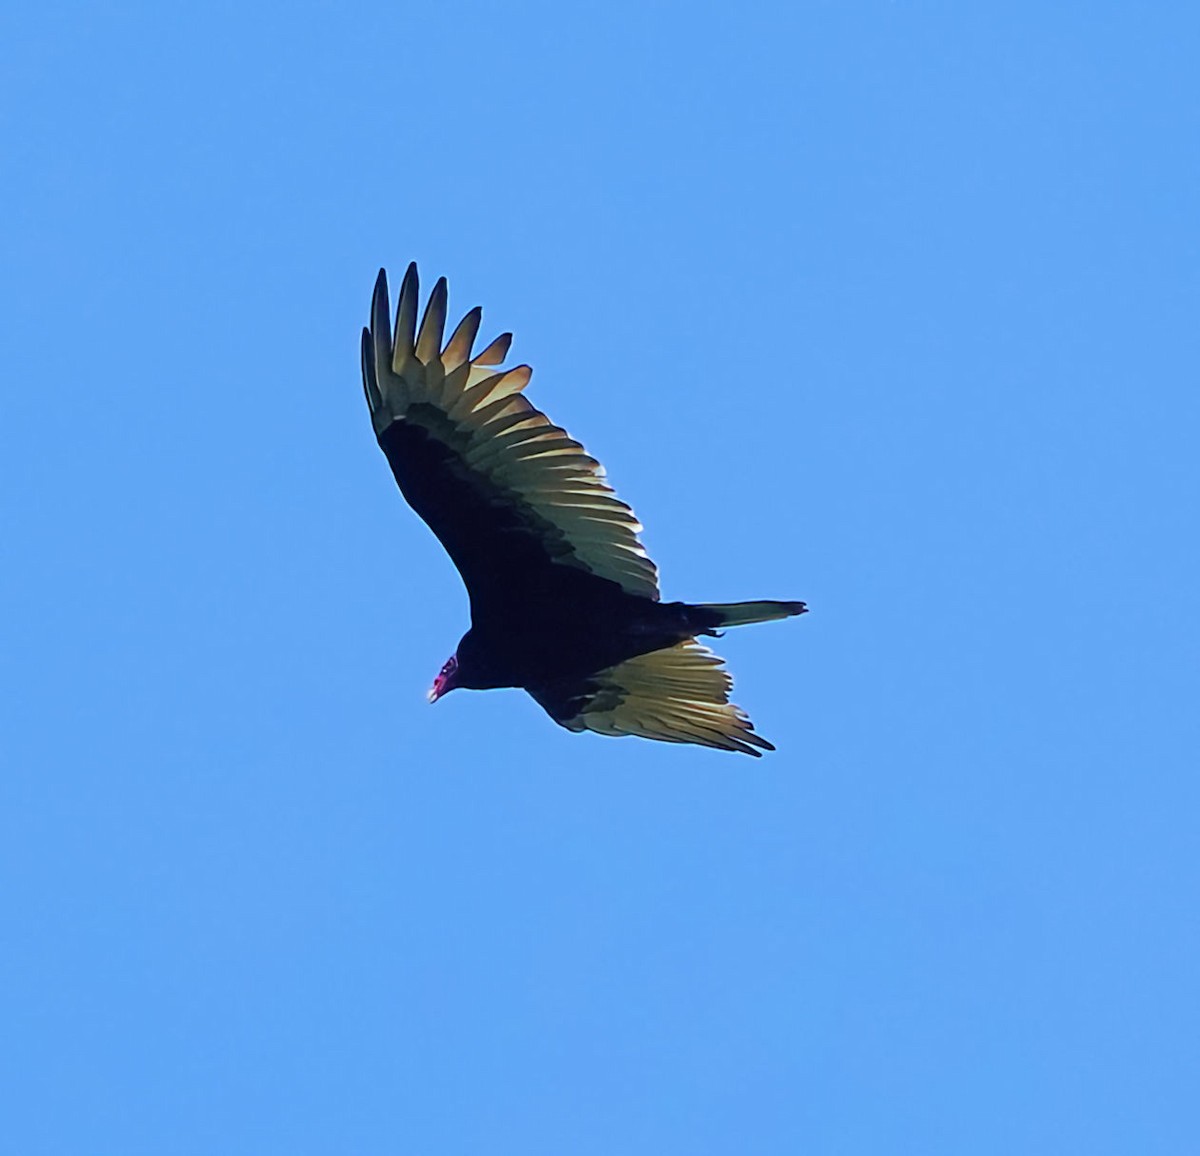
(496, 352)
(433, 324)
(406, 318)
(458, 348)
(370, 382)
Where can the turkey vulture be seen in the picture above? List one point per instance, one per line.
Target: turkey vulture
(564, 600)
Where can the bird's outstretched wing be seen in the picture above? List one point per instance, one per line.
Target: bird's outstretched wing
(507, 492)
(676, 695)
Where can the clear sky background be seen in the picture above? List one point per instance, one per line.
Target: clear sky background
(890, 307)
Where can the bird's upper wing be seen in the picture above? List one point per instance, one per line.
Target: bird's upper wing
(677, 695)
(504, 489)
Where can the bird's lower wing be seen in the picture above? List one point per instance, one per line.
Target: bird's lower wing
(676, 695)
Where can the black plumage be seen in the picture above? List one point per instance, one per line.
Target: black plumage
(564, 600)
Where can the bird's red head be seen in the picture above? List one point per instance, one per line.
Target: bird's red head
(446, 680)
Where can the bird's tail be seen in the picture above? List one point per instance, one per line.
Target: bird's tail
(718, 614)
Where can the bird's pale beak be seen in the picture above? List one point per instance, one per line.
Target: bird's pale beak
(445, 680)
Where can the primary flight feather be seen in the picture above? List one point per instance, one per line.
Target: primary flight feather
(564, 600)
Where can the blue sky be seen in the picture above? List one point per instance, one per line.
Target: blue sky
(890, 307)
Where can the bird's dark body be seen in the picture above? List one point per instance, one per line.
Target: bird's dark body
(533, 620)
(564, 598)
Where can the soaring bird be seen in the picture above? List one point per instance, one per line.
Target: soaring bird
(564, 600)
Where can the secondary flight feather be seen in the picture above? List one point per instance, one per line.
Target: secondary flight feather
(564, 599)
